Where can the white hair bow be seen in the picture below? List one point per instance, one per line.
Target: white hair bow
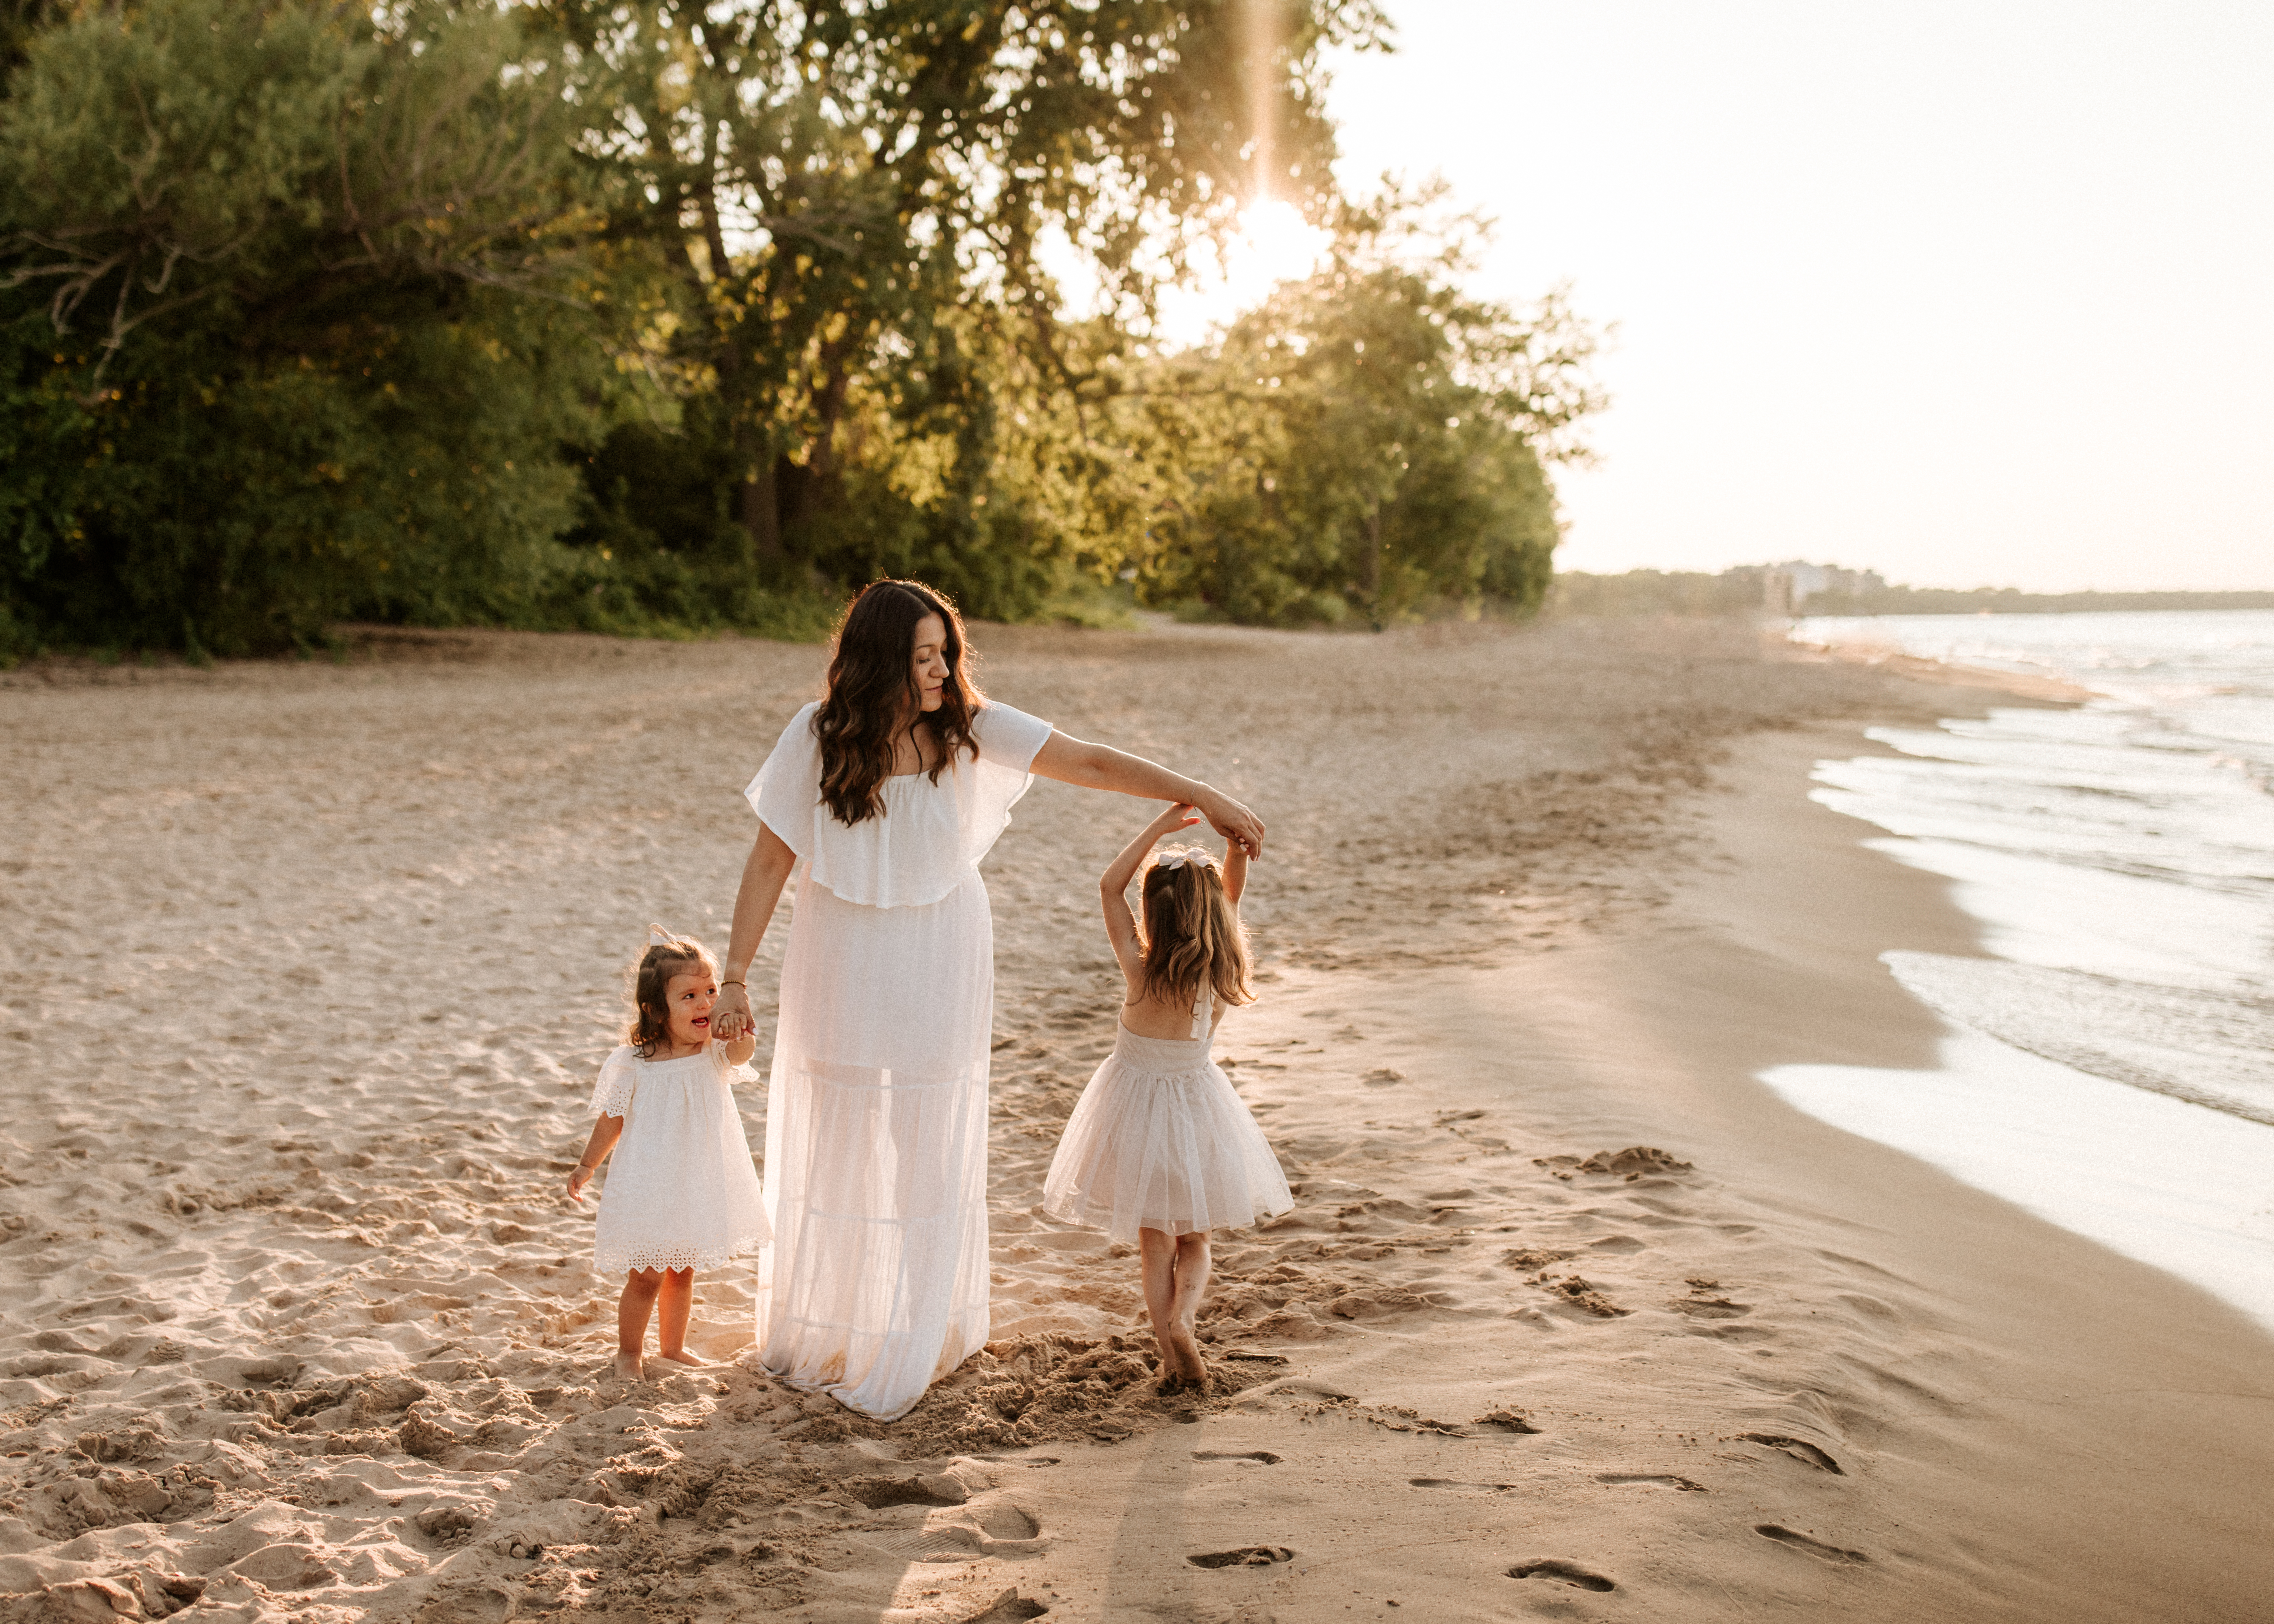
(1180, 856)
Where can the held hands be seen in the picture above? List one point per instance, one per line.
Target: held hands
(730, 1016)
(1234, 822)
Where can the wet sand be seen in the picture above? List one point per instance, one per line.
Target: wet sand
(311, 967)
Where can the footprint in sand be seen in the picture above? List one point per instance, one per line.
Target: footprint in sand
(1569, 1572)
(1262, 1457)
(1448, 1483)
(1247, 1556)
(1800, 1450)
(937, 1489)
(1659, 1479)
(1801, 1542)
(1008, 1527)
(1506, 1421)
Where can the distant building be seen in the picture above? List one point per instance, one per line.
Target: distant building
(1786, 587)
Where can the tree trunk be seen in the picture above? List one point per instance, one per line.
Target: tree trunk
(761, 510)
(1374, 565)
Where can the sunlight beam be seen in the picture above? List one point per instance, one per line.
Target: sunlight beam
(1260, 23)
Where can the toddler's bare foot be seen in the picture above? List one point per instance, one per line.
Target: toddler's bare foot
(683, 1356)
(628, 1366)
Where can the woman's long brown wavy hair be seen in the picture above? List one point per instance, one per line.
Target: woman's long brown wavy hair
(1192, 932)
(872, 686)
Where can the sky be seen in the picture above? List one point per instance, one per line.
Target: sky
(1972, 294)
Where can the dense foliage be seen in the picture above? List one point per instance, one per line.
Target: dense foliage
(1371, 439)
(672, 316)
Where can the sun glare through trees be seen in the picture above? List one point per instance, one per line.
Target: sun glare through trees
(684, 316)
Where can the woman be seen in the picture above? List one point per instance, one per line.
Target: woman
(890, 791)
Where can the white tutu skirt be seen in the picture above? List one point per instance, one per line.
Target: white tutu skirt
(1159, 1140)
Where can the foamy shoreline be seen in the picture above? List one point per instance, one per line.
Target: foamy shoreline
(299, 1330)
(2114, 860)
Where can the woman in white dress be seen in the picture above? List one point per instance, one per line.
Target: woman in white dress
(887, 794)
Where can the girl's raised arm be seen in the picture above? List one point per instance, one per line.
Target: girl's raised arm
(1113, 888)
(1235, 870)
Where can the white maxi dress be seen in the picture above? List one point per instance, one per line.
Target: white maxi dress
(876, 1281)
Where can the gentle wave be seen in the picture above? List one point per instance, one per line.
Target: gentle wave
(2119, 856)
(2196, 1046)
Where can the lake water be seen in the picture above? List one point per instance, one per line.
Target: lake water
(2110, 1066)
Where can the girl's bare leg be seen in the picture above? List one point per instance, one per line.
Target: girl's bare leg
(1157, 1252)
(632, 1310)
(674, 1304)
(1192, 1279)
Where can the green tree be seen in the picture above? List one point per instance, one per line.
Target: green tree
(300, 307)
(854, 198)
(1371, 439)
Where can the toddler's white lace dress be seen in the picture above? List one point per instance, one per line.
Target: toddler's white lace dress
(875, 1282)
(1159, 1140)
(681, 1191)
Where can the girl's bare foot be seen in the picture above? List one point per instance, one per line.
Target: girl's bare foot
(1183, 1357)
(683, 1356)
(628, 1366)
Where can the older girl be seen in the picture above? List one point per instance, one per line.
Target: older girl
(1159, 1149)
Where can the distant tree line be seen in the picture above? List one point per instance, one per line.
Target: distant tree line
(675, 317)
(1742, 590)
(1660, 591)
(2010, 600)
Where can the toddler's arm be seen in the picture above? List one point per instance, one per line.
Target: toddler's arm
(738, 1051)
(1235, 870)
(606, 1133)
(1113, 888)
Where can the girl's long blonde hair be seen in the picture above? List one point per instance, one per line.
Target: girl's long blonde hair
(1191, 930)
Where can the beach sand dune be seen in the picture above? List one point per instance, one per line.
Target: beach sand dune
(311, 967)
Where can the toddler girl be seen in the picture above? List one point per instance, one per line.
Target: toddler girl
(1159, 1149)
(682, 1194)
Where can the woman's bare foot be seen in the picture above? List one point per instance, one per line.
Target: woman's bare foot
(683, 1356)
(628, 1366)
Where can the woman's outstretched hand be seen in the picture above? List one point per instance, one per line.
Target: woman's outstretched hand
(730, 1016)
(1234, 822)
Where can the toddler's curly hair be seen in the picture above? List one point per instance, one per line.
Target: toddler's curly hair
(649, 977)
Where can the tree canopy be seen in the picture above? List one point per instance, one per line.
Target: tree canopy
(668, 317)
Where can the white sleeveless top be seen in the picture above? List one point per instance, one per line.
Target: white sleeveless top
(931, 837)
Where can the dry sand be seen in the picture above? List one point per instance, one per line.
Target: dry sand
(311, 967)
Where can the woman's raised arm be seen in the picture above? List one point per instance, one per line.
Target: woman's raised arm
(1101, 766)
(764, 876)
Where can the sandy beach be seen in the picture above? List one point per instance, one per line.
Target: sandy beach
(311, 967)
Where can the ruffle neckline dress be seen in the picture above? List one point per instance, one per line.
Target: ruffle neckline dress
(681, 1190)
(876, 1281)
(1160, 1140)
